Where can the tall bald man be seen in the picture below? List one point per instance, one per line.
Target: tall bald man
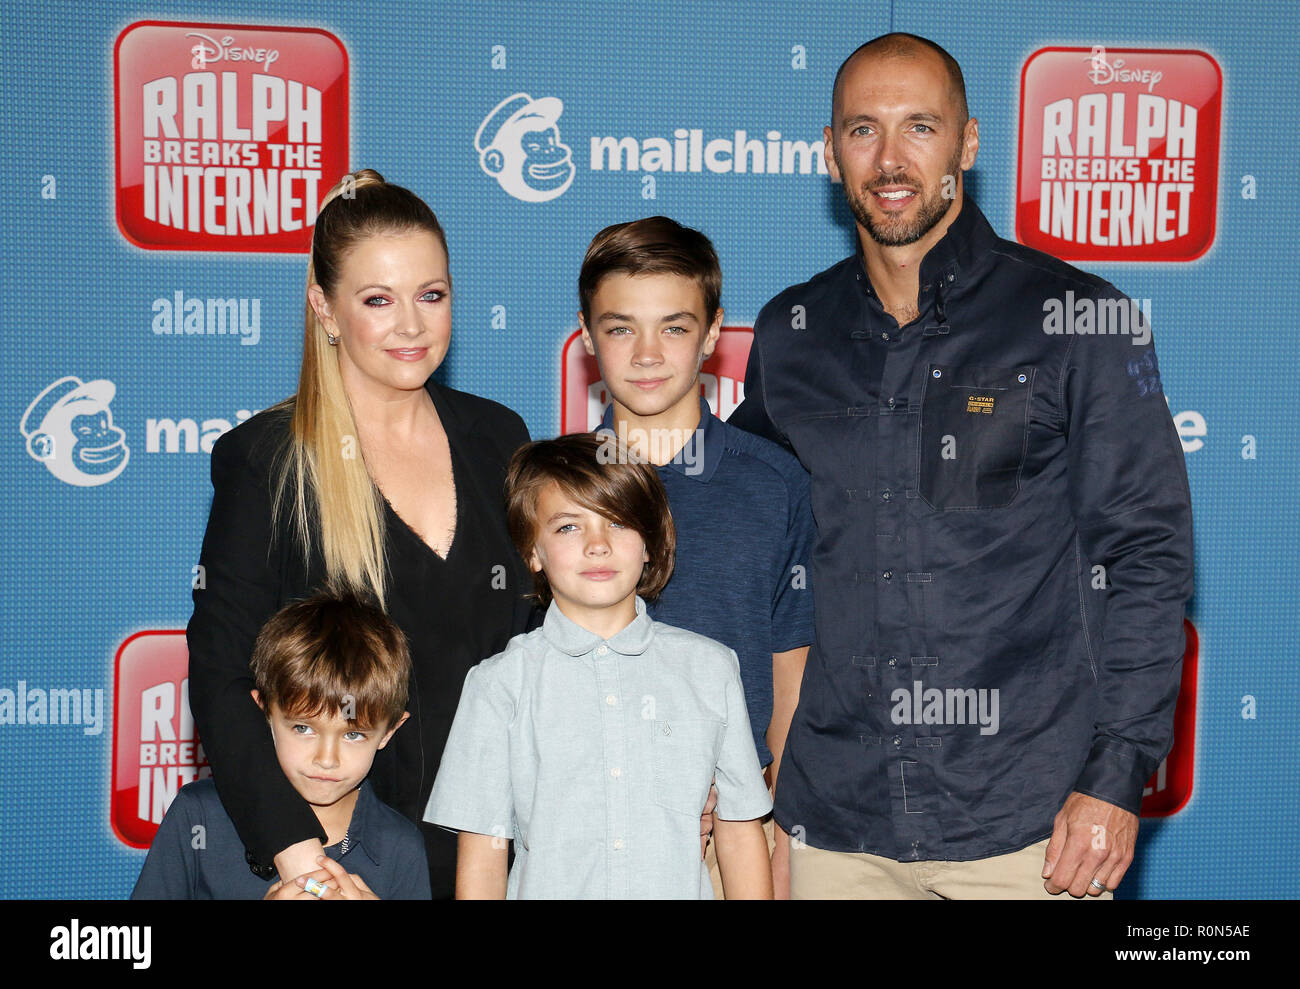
(1004, 546)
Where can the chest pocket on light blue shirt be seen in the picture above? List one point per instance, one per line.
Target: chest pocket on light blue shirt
(685, 755)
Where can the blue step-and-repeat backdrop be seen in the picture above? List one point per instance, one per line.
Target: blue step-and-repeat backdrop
(163, 166)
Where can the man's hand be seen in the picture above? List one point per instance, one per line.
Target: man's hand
(706, 820)
(1091, 839)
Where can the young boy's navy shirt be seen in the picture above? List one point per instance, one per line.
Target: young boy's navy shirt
(745, 534)
(197, 855)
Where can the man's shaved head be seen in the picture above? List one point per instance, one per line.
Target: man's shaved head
(899, 45)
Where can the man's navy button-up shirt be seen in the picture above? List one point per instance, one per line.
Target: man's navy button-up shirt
(1004, 548)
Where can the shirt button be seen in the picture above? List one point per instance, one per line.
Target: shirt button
(888, 575)
(616, 772)
(897, 740)
(618, 844)
(611, 700)
(885, 495)
(890, 403)
(884, 336)
(602, 650)
(893, 660)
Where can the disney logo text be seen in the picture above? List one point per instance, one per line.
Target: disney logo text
(210, 50)
(1101, 71)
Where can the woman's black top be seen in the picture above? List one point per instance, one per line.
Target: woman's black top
(455, 612)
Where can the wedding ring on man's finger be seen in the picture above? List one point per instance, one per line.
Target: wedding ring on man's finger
(317, 888)
(1100, 887)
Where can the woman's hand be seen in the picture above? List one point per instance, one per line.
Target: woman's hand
(299, 859)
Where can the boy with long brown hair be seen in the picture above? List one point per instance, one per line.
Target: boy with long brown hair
(591, 742)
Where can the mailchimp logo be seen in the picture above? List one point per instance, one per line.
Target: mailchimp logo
(519, 145)
(69, 428)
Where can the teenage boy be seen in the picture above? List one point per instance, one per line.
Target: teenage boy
(331, 675)
(591, 742)
(650, 294)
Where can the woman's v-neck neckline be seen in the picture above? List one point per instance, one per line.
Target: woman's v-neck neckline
(455, 536)
(454, 458)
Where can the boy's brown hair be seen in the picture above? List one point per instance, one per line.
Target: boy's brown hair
(600, 474)
(333, 654)
(655, 245)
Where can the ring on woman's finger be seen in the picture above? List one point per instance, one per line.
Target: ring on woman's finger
(315, 887)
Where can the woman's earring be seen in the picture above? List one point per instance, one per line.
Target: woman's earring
(334, 341)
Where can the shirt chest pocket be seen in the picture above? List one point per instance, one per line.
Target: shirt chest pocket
(684, 754)
(974, 429)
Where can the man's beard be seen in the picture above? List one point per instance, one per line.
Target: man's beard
(895, 231)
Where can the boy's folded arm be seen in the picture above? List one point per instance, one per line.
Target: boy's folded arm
(742, 859)
(480, 867)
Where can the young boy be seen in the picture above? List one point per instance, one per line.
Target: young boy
(591, 741)
(650, 294)
(331, 676)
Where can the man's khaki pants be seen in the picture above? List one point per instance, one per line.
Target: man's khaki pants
(816, 874)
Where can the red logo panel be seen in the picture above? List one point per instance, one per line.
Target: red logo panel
(156, 750)
(583, 395)
(1171, 787)
(1119, 153)
(228, 135)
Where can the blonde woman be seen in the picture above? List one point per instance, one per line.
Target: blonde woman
(371, 478)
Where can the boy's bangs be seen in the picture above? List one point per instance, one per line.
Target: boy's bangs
(369, 713)
(600, 498)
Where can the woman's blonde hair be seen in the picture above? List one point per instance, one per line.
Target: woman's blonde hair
(322, 472)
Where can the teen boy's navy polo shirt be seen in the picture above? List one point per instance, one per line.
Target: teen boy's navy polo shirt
(744, 538)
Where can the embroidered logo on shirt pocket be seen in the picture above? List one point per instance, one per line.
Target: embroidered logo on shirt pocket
(974, 431)
(685, 754)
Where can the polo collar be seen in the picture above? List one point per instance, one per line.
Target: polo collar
(700, 457)
(569, 637)
(362, 826)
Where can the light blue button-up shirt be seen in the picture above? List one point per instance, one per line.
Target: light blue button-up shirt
(595, 757)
